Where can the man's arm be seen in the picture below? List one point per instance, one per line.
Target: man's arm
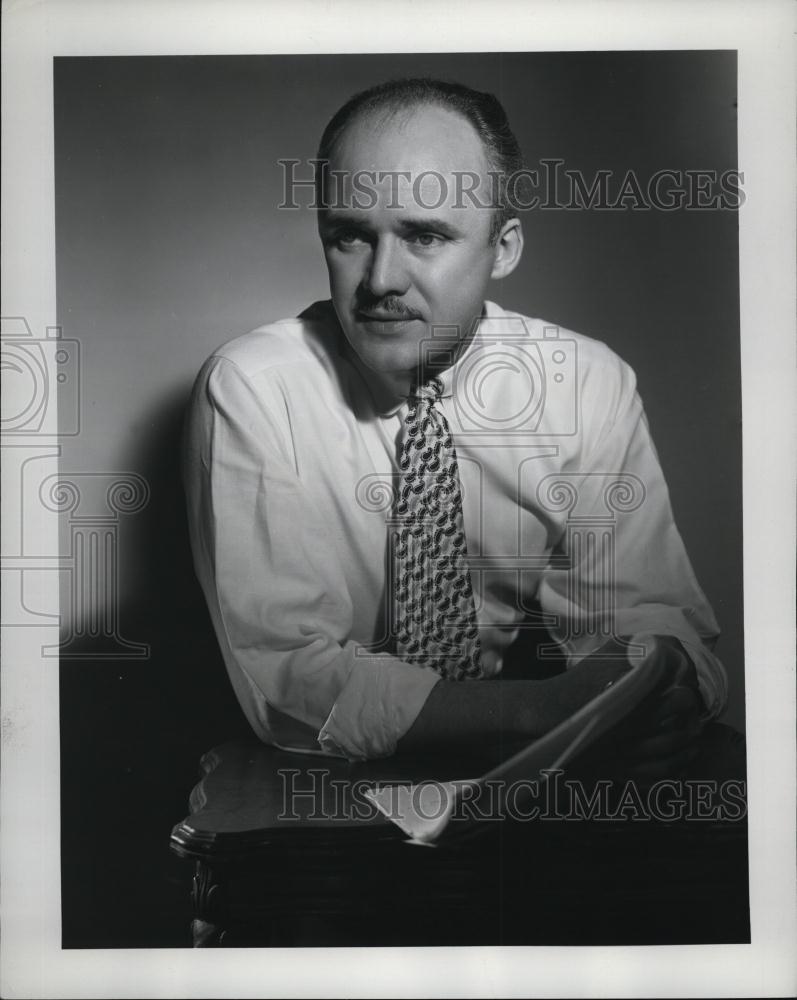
(630, 573)
(628, 570)
(480, 713)
(655, 741)
(276, 589)
(472, 713)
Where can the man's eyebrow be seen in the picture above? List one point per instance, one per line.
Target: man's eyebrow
(421, 224)
(425, 224)
(329, 219)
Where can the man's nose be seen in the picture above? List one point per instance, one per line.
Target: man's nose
(387, 273)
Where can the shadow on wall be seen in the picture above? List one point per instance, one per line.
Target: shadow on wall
(169, 604)
(133, 730)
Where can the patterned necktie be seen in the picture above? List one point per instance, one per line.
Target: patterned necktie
(434, 608)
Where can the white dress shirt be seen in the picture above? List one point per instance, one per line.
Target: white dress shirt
(290, 458)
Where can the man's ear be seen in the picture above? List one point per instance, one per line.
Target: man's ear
(508, 249)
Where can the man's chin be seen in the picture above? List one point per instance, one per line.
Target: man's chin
(384, 353)
(388, 362)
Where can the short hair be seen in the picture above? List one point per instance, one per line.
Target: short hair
(481, 109)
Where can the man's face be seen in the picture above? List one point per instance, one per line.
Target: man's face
(398, 266)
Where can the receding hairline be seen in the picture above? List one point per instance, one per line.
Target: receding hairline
(390, 110)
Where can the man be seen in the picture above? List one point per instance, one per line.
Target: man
(386, 490)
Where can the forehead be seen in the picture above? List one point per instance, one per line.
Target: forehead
(414, 139)
(415, 158)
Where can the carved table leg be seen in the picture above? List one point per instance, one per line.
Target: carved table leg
(206, 935)
(207, 927)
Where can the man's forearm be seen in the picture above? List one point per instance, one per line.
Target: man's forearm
(480, 712)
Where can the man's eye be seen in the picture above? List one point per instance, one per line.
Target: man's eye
(426, 239)
(348, 237)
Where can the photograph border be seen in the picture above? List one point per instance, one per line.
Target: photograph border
(33, 963)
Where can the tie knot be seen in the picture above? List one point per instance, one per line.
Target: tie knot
(430, 391)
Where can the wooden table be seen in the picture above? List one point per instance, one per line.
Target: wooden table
(320, 868)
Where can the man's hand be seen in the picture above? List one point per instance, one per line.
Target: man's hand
(660, 738)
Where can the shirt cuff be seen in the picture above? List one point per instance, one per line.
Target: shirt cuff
(379, 702)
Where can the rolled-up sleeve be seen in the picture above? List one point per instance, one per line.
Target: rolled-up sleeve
(275, 587)
(627, 568)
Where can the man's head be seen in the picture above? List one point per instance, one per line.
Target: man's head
(415, 220)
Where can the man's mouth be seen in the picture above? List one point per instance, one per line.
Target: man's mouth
(384, 316)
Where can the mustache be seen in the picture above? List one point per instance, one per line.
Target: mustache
(389, 304)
